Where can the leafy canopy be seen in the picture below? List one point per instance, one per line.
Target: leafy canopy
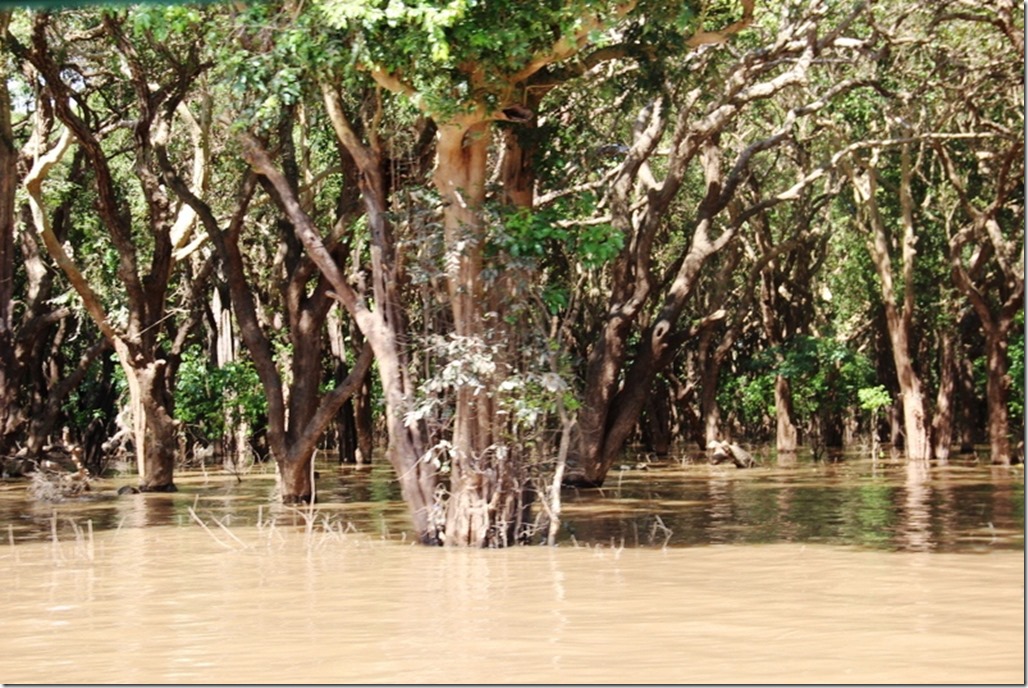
(460, 54)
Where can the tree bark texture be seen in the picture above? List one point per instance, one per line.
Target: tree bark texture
(383, 326)
(899, 307)
(486, 480)
(9, 406)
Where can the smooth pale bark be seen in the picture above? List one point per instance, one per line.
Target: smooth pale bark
(942, 421)
(384, 327)
(485, 490)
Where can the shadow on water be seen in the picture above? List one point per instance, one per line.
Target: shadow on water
(888, 505)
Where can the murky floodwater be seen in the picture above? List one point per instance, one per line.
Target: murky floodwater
(829, 573)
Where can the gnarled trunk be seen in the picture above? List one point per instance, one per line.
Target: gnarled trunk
(155, 434)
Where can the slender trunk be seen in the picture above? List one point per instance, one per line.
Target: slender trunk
(364, 422)
(896, 436)
(968, 417)
(786, 436)
(899, 307)
(356, 425)
(942, 422)
(9, 407)
(997, 388)
(710, 371)
(658, 419)
(346, 434)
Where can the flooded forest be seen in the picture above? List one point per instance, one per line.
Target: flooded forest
(487, 341)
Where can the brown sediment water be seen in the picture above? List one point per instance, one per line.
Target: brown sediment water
(288, 605)
(811, 573)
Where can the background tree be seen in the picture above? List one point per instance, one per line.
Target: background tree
(80, 94)
(984, 216)
(790, 45)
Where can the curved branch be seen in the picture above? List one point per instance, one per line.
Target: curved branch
(34, 186)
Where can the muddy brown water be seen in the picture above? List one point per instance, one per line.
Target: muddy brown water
(850, 572)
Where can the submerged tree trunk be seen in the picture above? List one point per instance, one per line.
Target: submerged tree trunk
(658, 429)
(996, 291)
(899, 306)
(942, 422)
(155, 433)
(486, 478)
(997, 391)
(639, 207)
(382, 327)
(9, 411)
(710, 372)
(786, 436)
(146, 244)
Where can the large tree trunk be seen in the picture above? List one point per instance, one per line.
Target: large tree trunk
(486, 478)
(155, 434)
(304, 396)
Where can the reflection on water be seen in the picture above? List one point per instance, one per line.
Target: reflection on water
(890, 505)
(882, 505)
(847, 572)
(274, 605)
